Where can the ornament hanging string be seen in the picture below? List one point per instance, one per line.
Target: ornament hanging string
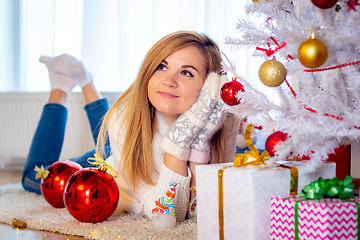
(313, 110)
(187, 198)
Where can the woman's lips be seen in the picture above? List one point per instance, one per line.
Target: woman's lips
(167, 95)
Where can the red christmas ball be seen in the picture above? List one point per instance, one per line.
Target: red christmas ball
(324, 4)
(229, 90)
(273, 140)
(91, 195)
(53, 186)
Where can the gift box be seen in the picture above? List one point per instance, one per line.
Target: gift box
(324, 170)
(296, 218)
(243, 210)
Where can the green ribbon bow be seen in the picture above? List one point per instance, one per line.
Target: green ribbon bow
(329, 188)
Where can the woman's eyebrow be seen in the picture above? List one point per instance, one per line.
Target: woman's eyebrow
(183, 66)
(190, 66)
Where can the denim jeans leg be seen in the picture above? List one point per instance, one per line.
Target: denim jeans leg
(95, 112)
(48, 139)
(46, 144)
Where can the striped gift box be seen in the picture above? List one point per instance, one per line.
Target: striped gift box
(293, 218)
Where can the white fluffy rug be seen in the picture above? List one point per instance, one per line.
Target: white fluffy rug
(38, 214)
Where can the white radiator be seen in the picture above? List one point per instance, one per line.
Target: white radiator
(20, 113)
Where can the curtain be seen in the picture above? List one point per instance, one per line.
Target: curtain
(111, 36)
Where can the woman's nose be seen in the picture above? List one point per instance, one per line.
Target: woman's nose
(171, 80)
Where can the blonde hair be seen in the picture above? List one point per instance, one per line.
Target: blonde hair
(139, 114)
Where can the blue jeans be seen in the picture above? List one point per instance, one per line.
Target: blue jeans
(48, 139)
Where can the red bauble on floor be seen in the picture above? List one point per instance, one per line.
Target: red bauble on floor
(91, 195)
(52, 188)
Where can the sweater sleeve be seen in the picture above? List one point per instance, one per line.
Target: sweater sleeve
(148, 194)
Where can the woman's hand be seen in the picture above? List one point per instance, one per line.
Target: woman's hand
(200, 147)
(199, 122)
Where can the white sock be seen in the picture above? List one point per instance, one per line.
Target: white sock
(68, 65)
(60, 81)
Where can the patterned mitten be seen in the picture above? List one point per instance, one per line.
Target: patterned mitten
(200, 147)
(185, 129)
(164, 212)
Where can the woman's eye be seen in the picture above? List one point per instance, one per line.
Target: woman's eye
(161, 67)
(187, 73)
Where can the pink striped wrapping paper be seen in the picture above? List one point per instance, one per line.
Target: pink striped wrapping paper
(317, 219)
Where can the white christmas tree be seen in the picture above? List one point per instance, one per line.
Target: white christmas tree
(319, 106)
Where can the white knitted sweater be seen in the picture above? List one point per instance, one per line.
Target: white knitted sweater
(143, 199)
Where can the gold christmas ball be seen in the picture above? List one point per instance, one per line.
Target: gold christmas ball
(312, 53)
(272, 73)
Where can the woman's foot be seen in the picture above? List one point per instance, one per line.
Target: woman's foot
(61, 82)
(69, 66)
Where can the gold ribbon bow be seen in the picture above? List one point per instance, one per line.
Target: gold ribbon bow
(102, 165)
(41, 172)
(254, 157)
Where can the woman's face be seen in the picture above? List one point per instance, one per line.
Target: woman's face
(176, 83)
